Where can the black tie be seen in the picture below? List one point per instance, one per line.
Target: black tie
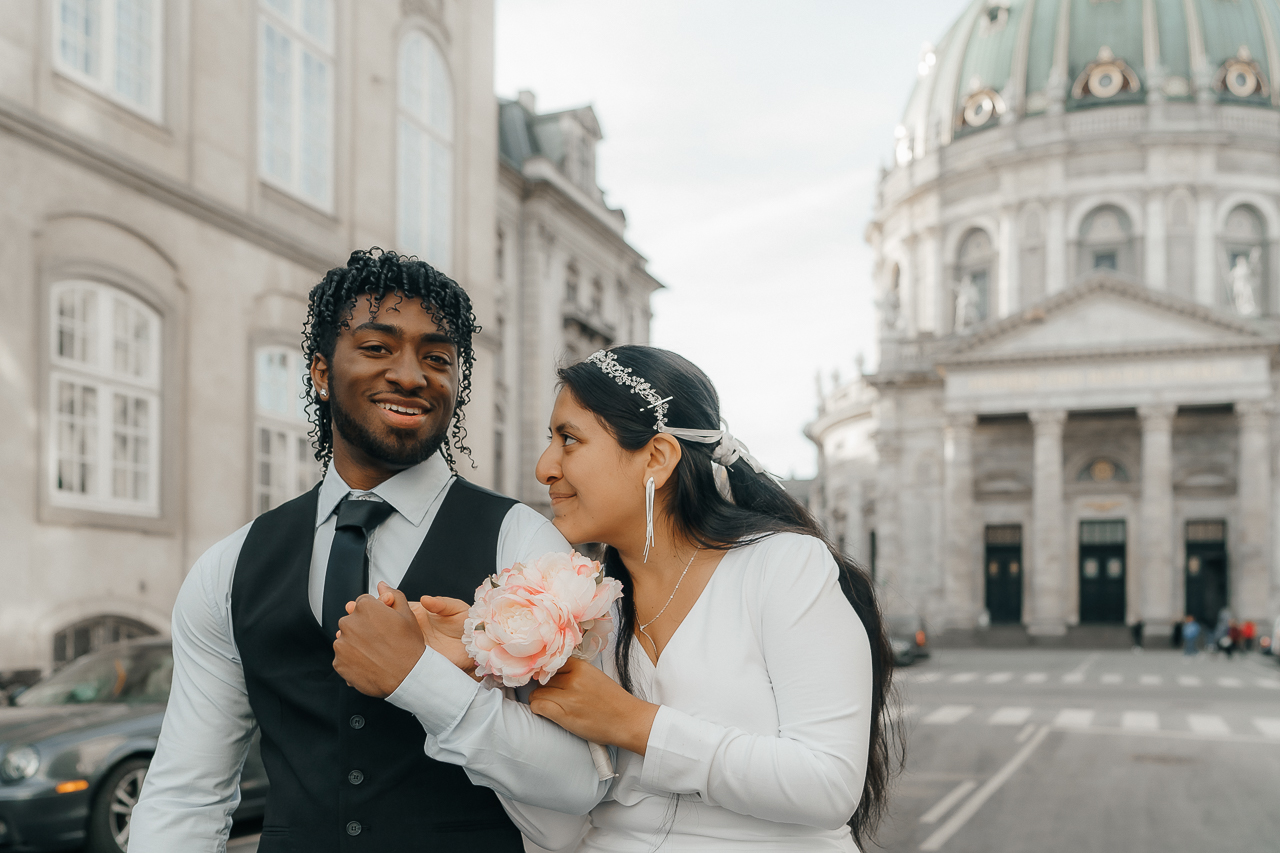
(347, 576)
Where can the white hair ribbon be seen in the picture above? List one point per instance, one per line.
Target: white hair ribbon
(728, 449)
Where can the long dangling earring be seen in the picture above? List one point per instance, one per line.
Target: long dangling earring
(648, 520)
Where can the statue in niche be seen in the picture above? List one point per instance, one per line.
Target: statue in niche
(967, 298)
(1243, 279)
(890, 306)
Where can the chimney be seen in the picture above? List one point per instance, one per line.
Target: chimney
(528, 100)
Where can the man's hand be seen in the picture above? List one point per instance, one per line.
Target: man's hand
(441, 620)
(378, 643)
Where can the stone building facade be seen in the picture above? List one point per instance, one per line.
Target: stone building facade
(1073, 418)
(177, 177)
(568, 283)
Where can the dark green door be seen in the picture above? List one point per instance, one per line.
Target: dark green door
(1003, 571)
(1206, 570)
(1102, 571)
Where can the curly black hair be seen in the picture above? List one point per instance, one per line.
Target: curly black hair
(379, 273)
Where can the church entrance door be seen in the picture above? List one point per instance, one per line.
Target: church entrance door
(1102, 570)
(1206, 572)
(1004, 573)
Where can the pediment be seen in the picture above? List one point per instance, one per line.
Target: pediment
(1107, 315)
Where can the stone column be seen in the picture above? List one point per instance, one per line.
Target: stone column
(888, 546)
(1251, 582)
(1156, 267)
(1049, 548)
(962, 567)
(1008, 265)
(1206, 249)
(1154, 563)
(1055, 248)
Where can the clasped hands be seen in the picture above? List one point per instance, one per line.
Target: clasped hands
(382, 637)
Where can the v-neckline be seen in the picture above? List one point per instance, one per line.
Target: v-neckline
(697, 602)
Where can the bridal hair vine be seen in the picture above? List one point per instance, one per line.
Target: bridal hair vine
(728, 449)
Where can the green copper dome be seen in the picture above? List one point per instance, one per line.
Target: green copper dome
(1008, 58)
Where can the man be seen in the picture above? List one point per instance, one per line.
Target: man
(389, 344)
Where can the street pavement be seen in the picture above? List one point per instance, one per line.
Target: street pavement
(1033, 751)
(1046, 751)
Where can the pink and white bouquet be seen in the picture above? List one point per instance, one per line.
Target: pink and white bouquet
(527, 620)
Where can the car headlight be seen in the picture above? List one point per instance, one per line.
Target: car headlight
(899, 645)
(20, 763)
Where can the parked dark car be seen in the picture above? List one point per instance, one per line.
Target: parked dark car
(75, 747)
(908, 639)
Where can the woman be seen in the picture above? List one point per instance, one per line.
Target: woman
(745, 686)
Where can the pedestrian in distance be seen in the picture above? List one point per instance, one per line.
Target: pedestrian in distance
(1190, 633)
(1135, 631)
(1229, 642)
(1175, 636)
(1248, 632)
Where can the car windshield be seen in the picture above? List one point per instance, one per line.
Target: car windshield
(129, 674)
(900, 625)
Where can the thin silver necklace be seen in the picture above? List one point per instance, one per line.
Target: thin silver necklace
(668, 604)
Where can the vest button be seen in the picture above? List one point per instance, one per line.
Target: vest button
(354, 828)
(355, 777)
(357, 722)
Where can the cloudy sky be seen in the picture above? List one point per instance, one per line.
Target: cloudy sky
(744, 140)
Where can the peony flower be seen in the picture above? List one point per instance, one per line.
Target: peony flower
(527, 620)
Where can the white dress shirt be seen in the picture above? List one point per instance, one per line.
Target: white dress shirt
(764, 724)
(191, 788)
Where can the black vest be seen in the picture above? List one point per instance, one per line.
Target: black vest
(347, 771)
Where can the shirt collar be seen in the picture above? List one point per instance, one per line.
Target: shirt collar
(412, 492)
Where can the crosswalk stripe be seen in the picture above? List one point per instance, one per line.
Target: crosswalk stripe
(1151, 680)
(1208, 724)
(1230, 682)
(1188, 681)
(1269, 726)
(1074, 718)
(999, 677)
(1269, 683)
(1140, 721)
(1035, 678)
(1010, 716)
(948, 714)
(1112, 678)
(1073, 678)
(963, 677)
(924, 677)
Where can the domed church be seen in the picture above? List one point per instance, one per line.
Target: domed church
(1073, 421)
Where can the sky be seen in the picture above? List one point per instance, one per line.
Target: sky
(744, 140)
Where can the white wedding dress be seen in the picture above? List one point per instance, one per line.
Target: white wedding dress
(762, 738)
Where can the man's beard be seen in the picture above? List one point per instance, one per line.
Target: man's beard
(407, 452)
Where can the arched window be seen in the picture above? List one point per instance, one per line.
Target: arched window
(1245, 260)
(104, 400)
(295, 98)
(975, 264)
(425, 152)
(1106, 241)
(283, 463)
(90, 635)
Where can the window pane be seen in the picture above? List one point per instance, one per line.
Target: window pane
(274, 381)
(131, 339)
(77, 325)
(316, 18)
(80, 27)
(411, 75)
(315, 127)
(440, 195)
(77, 430)
(276, 117)
(410, 185)
(130, 442)
(134, 57)
(440, 108)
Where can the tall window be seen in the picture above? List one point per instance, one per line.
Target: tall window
(1106, 241)
(104, 400)
(112, 47)
(283, 464)
(973, 288)
(425, 152)
(295, 98)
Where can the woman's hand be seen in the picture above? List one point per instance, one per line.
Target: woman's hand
(585, 701)
(441, 621)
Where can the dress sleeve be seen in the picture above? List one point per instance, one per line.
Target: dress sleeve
(192, 786)
(819, 662)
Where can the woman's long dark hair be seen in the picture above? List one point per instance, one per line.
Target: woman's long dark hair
(760, 507)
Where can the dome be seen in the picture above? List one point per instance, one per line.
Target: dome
(1009, 58)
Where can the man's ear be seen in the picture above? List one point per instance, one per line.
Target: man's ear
(320, 376)
(664, 454)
